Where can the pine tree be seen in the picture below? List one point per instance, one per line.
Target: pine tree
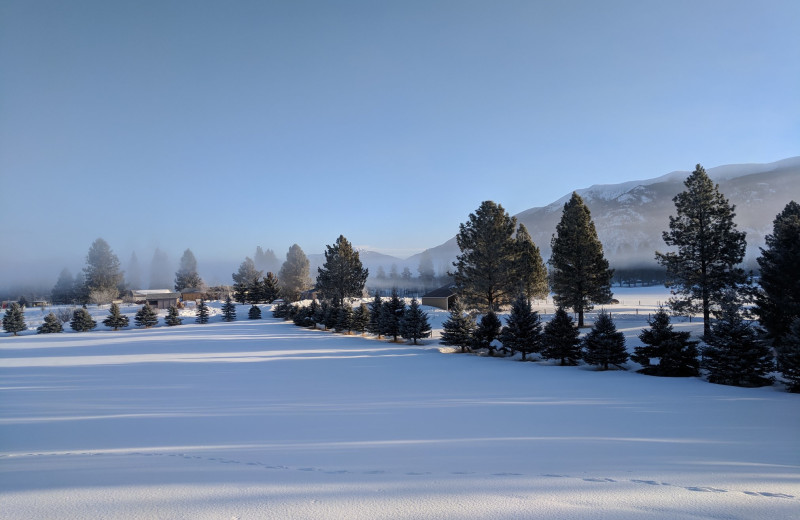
(228, 310)
(734, 353)
(580, 274)
(187, 276)
(523, 330)
(304, 317)
(677, 355)
(51, 325)
(63, 291)
(271, 290)
(82, 321)
(484, 274)
(789, 356)
(374, 325)
(146, 317)
(202, 312)
(486, 332)
(778, 302)
(294, 274)
(160, 270)
(457, 329)
(604, 345)
(414, 324)
(529, 268)
(344, 319)
(709, 248)
(14, 319)
(254, 313)
(391, 314)
(361, 318)
(281, 310)
(561, 340)
(173, 318)
(342, 275)
(115, 319)
(102, 271)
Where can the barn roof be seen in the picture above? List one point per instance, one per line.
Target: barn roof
(442, 292)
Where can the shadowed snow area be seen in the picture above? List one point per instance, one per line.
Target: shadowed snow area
(262, 419)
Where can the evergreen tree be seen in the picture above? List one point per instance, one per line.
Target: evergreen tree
(344, 319)
(734, 353)
(63, 291)
(529, 268)
(51, 325)
(374, 325)
(315, 313)
(80, 292)
(580, 274)
(486, 332)
(677, 355)
(146, 317)
(244, 279)
(414, 324)
(115, 319)
(202, 312)
(82, 321)
(187, 277)
(102, 271)
(266, 260)
(361, 318)
(281, 310)
(254, 313)
(271, 290)
(778, 301)
(484, 274)
(294, 274)
(523, 330)
(391, 315)
(228, 310)
(173, 318)
(709, 248)
(789, 356)
(160, 270)
(14, 319)
(330, 313)
(133, 275)
(425, 268)
(560, 338)
(342, 275)
(304, 317)
(604, 345)
(457, 329)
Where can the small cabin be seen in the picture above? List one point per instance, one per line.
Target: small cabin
(157, 298)
(442, 298)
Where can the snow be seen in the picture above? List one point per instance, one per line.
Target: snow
(262, 419)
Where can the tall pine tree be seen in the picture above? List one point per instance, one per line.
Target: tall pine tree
(102, 271)
(604, 345)
(561, 340)
(529, 268)
(187, 277)
(778, 301)
(341, 276)
(709, 248)
(294, 274)
(63, 291)
(580, 275)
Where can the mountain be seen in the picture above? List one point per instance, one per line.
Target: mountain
(631, 216)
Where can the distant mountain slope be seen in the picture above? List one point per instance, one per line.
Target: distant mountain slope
(630, 217)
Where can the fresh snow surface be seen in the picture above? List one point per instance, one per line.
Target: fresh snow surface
(262, 419)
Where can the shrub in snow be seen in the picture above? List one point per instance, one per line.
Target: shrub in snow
(202, 312)
(172, 318)
(604, 345)
(361, 318)
(457, 329)
(486, 332)
(115, 319)
(254, 313)
(146, 317)
(51, 325)
(344, 319)
(677, 355)
(14, 319)
(82, 321)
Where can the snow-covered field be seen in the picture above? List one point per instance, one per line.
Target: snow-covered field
(262, 419)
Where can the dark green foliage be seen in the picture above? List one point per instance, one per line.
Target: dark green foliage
(531, 273)
(51, 325)
(604, 345)
(14, 319)
(270, 290)
(391, 315)
(457, 329)
(244, 280)
(778, 302)
(321, 313)
(677, 355)
(202, 312)
(580, 275)
(361, 318)
(709, 248)
(484, 274)
(374, 325)
(734, 353)
(486, 332)
(254, 313)
(344, 319)
(560, 339)
(102, 269)
(789, 356)
(115, 319)
(146, 317)
(523, 330)
(414, 324)
(304, 317)
(228, 310)
(82, 321)
(281, 310)
(294, 274)
(187, 276)
(342, 275)
(173, 319)
(64, 289)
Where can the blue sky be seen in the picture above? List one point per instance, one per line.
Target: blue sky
(220, 126)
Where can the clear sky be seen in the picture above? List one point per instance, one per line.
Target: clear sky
(220, 126)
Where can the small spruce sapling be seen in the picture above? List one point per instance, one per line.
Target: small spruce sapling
(14, 319)
(486, 332)
(228, 310)
(414, 325)
(202, 312)
(604, 345)
(115, 319)
(82, 321)
(523, 330)
(457, 329)
(254, 313)
(561, 339)
(146, 317)
(51, 325)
